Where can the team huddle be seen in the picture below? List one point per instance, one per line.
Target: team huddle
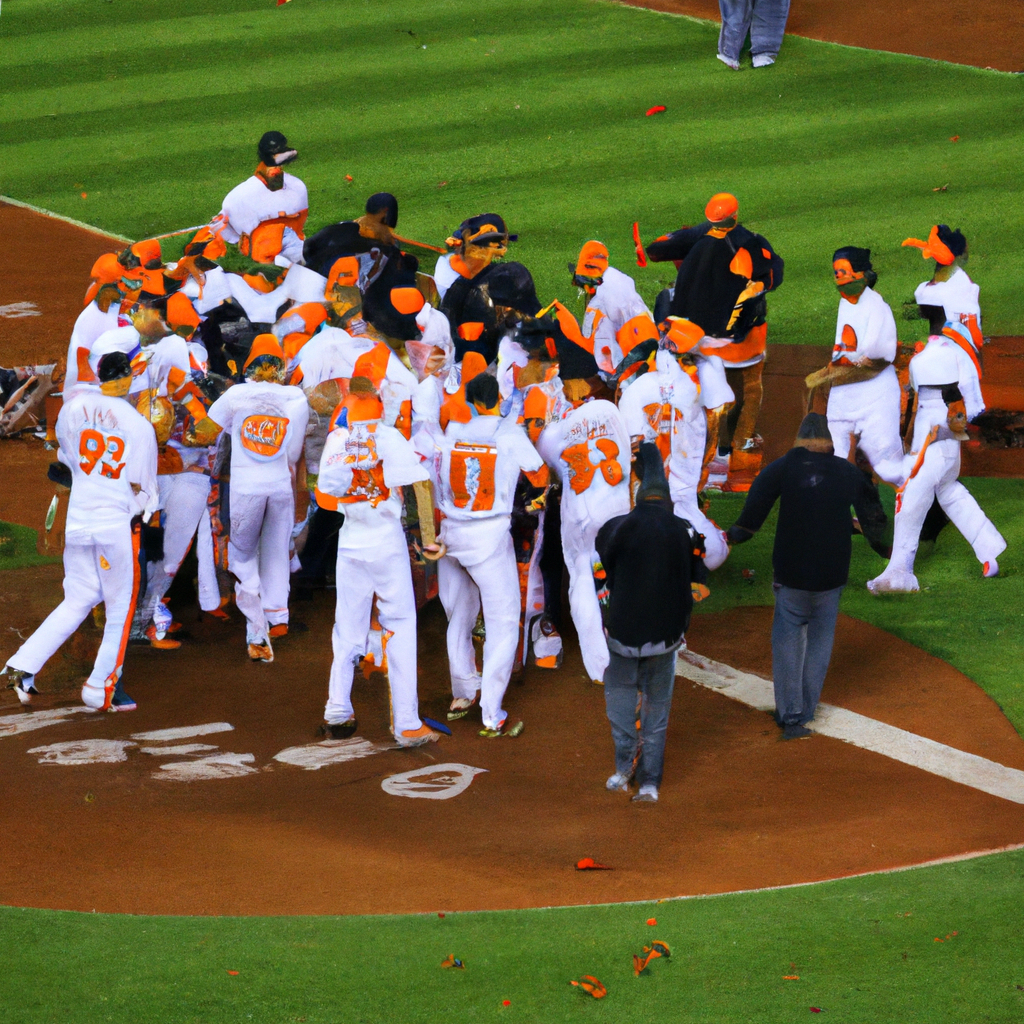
(334, 409)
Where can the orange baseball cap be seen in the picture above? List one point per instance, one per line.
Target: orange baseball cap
(262, 345)
(407, 300)
(147, 250)
(593, 260)
(683, 335)
(721, 206)
(181, 312)
(105, 271)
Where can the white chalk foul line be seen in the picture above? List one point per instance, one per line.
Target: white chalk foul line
(861, 731)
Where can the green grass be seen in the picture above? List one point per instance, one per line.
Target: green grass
(864, 950)
(530, 108)
(18, 547)
(975, 624)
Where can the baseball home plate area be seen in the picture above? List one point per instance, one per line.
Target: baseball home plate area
(216, 797)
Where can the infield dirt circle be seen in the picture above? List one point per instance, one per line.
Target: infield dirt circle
(739, 809)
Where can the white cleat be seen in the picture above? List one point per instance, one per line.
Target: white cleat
(990, 569)
(894, 582)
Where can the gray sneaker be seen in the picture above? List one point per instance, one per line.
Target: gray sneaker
(648, 795)
(617, 783)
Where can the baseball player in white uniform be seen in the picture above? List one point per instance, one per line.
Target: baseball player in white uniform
(864, 398)
(948, 397)
(476, 470)
(364, 465)
(267, 421)
(588, 447)
(102, 308)
(111, 451)
(265, 216)
(664, 407)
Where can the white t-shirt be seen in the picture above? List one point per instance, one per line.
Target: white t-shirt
(958, 296)
(872, 322)
(444, 275)
(589, 450)
(247, 205)
(476, 469)
(267, 423)
(108, 447)
(664, 408)
(363, 467)
(91, 323)
(615, 301)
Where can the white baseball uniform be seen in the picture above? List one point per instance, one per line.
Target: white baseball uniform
(109, 447)
(870, 408)
(959, 296)
(940, 363)
(267, 423)
(609, 309)
(476, 469)
(589, 449)
(251, 203)
(664, 407)
(362, 470)
(91, 323)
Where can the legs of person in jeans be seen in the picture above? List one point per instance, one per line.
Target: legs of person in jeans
(653, 680)
(765, 20)
(802, 634)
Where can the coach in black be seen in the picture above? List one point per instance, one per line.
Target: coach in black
(811, 559)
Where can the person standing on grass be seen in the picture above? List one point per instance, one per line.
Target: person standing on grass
(811, 560)
(765, 20)
(650, 558)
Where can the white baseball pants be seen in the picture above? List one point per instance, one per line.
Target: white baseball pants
(937, 478)
(494, 584)
(580, 557)
(258, 553)
(716, 547)
(103, 569)
(390, 578)
(879, 431)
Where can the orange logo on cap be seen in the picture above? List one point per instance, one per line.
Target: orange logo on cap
(263, 435)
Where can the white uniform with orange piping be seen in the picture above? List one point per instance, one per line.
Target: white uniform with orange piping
(664, 408)
(267, 422)
(869, 408)
(109, 448)
(589, 449)
(91, 323)
(616, 319)
(263, 222)
(362, 469)
(933, 466)
(959, 297)
(476, 469)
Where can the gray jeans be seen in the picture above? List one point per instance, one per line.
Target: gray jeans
(765, 20)
(802, 634)
(651, 680)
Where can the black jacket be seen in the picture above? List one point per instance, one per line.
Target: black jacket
(650, 557)
(497, 297)
(707, 289)
(813, 537)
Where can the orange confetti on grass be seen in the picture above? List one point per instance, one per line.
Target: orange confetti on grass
(955, 138)
(589, 984)
(506, 1002)
(85, 195)
(348, 177)
(791, 977)
(232, 973)
(652, 921)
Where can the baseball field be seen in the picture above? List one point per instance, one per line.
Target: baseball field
(255, 878)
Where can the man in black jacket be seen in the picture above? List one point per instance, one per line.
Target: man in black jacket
(725, 272)
(811, 559)
(651, 557)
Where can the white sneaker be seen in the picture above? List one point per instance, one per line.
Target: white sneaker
(895, 581)
(762, 60)
(734, 64)
(617, 783)
(648, 795)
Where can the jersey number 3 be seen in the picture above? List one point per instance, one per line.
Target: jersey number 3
(93, 446)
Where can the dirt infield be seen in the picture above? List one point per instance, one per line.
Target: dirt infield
(985, 33)
(739, 808)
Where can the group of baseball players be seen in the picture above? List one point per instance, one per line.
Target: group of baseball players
(333, 394)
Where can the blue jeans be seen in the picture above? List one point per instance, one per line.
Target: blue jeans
(802, 634)
(652, 681)
(765, 20)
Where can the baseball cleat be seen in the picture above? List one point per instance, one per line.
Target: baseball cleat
(120, 701)
(503, 730)
(460, 707)
(617, 783)
(281, 629)
(647, 795)
(990, 569)
(159, 640)
(895, 582)
(261, 651)
(417, 737)
(219, 614)
(22, 683)
(339, 730)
